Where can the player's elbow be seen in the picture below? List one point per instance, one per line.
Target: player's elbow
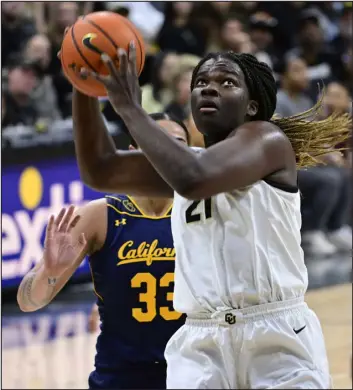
(92, 181)
(94, 176)
(193, 193)
(200, 185)
(192, 188)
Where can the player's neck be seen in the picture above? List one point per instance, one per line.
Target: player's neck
(210, 140)
(154, 207)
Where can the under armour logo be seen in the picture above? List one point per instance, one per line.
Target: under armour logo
(122, 222)
(230, 318)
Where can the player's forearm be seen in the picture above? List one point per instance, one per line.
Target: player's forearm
(93, 143)
(177, 164)
(35, 291)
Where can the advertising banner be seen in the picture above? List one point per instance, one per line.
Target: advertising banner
(30, 193)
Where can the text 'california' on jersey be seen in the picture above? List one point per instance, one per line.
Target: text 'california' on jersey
(133, 277)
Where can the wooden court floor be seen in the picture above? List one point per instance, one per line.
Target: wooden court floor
(334, 308)
(65, 363)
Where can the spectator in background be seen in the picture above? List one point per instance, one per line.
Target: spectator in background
(321, 60)
(63, 14)
(139, 13)
(223, 8)
(208, 18)
(178, 33)
(232, 37)
(326, 189)
(327, 18)
(196, 138)
(291, 98)
(346, 74)
(179, 108)
(343, 41)
(336, 99)
(16, 29)
(262, 30)
(212, 17)
(66, 14)
(38, 51)
(287, 15)
(20, 109)
(3, 111)
(326, 199)
(157, 94)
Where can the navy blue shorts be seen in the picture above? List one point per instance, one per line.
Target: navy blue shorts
(146, 376)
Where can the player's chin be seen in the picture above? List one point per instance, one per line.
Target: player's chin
(211, 121)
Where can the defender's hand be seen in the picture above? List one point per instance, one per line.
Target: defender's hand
(61, 249)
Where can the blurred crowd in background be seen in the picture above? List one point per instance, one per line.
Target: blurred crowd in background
(307, 44)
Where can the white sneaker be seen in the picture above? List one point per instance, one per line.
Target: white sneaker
(318, 244)
(341, 238)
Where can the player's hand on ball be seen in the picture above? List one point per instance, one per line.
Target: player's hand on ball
(61, 249)
(121, 83)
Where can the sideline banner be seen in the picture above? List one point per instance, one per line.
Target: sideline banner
(30, 193)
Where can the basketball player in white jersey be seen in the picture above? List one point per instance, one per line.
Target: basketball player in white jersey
(240, 274)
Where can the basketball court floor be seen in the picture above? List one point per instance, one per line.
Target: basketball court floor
(53, 349)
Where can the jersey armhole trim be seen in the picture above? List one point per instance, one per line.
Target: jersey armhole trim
(283, 187)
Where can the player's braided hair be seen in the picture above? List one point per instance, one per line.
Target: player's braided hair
(310, 138)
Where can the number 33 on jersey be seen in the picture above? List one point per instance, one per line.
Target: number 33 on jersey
(133, 274)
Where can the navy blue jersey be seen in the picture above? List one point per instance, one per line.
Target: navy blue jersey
(133, 277)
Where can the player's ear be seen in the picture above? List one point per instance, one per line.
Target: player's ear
(131, 147)
(252, 108)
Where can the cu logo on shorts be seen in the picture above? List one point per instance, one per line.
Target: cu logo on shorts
(230, 318)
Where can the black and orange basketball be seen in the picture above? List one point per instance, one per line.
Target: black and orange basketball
(88, 38)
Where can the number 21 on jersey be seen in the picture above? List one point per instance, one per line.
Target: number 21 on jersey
(199, 210)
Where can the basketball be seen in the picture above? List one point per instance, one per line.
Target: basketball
(88, 38)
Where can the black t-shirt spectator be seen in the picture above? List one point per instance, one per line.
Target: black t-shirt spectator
(181, 40)
(14, 37)
(177, 111)
(287, 15)
(16, 114)
(322, 68)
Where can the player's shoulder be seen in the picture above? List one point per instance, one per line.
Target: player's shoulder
(262, 128)
(93, 208)
(265, 133)
(123, 204)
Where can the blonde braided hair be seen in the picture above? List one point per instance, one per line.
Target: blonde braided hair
(312, 138)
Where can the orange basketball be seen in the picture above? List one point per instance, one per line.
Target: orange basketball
(88, 38)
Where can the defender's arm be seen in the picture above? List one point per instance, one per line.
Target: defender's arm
(35, 291)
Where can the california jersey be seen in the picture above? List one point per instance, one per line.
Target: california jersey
(238, 249)
(133, 277)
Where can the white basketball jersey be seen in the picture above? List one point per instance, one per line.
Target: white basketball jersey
(237, 249)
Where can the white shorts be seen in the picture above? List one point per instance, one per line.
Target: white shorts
(273, 346)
